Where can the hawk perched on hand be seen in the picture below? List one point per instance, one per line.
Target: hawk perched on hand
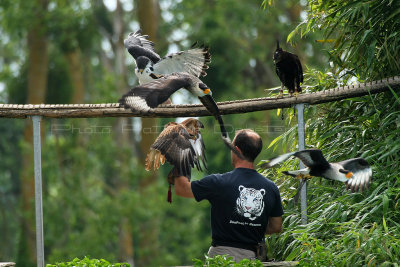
(289, 70)
(182, 146)
(150, 66)
(355, 173)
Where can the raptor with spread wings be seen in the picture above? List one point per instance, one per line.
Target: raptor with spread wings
(181, 145)
(150, 66)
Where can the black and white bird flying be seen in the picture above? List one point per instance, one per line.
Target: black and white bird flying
(356, 173)
(150, 66)
(143, 98)
(289, 70)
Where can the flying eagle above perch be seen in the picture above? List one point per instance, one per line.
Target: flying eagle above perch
(149, 65)
(355, 173)
(145, 97)
(181, 144)
(289, 70)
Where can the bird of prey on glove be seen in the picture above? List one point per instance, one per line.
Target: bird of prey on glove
(182, 146)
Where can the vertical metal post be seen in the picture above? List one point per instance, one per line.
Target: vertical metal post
(301, 134)
(37, 154)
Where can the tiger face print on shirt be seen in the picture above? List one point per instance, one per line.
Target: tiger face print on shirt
(250, 202)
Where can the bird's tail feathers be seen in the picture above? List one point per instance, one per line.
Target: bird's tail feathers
(154, 159)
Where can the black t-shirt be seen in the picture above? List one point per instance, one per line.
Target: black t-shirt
(241, 203)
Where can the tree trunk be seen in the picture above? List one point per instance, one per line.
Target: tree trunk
(37, 87)
(148, 14)
(122, 138)
(74, 58)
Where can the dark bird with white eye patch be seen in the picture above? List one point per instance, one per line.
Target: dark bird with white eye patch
(289, 70)
(143, 98)
(356, 173)
(150, 66)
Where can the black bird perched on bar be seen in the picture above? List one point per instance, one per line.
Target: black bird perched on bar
(355, 173)
(289, 70)
(149, 65)
(143, 98)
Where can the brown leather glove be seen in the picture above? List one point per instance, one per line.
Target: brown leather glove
(175, 173)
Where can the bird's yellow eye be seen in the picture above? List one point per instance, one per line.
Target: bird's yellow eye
(206, 91)
(349, 175)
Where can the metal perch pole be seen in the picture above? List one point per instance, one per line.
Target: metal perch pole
(303, 185)
(38, 190)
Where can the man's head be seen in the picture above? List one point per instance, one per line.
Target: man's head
(249, 143)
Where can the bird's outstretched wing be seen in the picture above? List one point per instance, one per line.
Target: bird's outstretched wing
(144, 97)
(312, 158)
(276, 160)
(139, 45)
(174, 144)
(193, 61)
(362, 173)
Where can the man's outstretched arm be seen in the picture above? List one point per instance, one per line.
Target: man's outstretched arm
(183, 187)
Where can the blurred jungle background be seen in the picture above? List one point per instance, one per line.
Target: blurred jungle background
(98, 199)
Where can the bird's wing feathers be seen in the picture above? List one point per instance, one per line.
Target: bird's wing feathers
(139, 45)
(193, 61)
(299, 68)
(312, 157)
(150, 95)
(362, 173)
(173, 142)
(198, 146)
(281, 158)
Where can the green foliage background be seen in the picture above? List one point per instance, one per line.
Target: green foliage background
(82, 167)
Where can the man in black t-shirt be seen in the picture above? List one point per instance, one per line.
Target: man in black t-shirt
(244, 204)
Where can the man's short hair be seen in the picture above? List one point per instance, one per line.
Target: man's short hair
(249, 144)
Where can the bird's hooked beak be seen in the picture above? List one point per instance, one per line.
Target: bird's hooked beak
(141, 71)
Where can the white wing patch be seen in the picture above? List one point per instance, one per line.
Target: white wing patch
(191, 61)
